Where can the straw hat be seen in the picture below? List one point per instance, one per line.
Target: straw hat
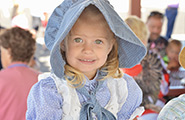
(182, 58)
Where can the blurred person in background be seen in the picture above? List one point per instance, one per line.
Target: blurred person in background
(21, 17)
(172, 65)
(175, 108)
(171, 14)
(157, 42)
(16, 78)
(148, 73)
(172, 58)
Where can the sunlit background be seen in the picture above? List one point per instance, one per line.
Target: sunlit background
(38, 7)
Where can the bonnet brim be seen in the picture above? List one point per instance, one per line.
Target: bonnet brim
(130, 49)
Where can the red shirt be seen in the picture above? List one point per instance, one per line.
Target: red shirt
(15, 84)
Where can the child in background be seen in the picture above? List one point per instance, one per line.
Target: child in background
(88, 43)
(172, 58)
(174, 109)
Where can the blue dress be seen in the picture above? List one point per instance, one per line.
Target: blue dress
(45, 103)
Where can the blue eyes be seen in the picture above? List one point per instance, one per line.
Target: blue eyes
(79, 40)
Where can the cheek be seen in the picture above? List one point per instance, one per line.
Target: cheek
(170, 54)
(103, 55)
(102, 59)
(70, 53)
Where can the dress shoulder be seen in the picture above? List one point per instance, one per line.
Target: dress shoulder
(133, 100)
(44, 101)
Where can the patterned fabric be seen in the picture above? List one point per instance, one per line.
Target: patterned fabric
(44, 101)
(15, 84)
(93, 107)
(159, 46)
(130, 49)
(150, 78)
(174, 109)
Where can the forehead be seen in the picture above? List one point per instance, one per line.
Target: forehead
(174, 47)
(92, 26)
(155, 20)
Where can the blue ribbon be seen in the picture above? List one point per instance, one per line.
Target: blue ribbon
(91, 109)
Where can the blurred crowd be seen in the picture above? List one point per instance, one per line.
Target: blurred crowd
(153, 74)
(35, 22)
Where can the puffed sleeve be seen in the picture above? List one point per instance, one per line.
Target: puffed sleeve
(131, 108)
(44, 102)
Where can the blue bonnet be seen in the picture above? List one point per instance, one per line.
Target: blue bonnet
(130, 49)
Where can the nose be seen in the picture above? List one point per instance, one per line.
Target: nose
(87, 48)
(157, 30)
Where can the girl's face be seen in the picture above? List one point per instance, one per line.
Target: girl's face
(87, 47)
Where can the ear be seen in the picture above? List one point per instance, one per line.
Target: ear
(6, 58)
(9, 53)
(9, 57)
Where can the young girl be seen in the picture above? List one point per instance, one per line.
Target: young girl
(88, 43)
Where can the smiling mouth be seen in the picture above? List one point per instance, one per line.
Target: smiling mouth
(86, 61)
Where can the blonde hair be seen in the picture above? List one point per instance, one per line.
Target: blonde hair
(138, 27)
(74, 77)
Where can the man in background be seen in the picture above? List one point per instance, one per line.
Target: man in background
(156, 42)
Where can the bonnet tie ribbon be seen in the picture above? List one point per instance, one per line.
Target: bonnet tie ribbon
(91, 110)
